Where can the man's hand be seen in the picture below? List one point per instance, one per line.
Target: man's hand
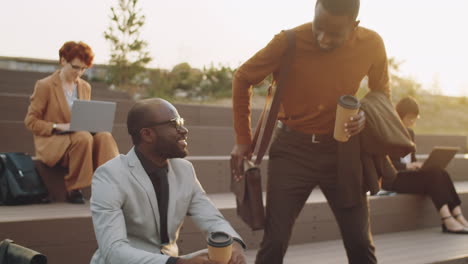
(63, 127)
(238, 256)
(413, 166)
(199, 259)
(355, 124)
(238, 153)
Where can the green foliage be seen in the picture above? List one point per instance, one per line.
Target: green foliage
(186, 82)
(128, 52)
(216, 83)
(161, 84)
(186, 79)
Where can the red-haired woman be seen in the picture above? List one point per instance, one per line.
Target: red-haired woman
(49, 112)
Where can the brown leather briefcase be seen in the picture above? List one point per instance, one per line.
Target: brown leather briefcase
(248, 190)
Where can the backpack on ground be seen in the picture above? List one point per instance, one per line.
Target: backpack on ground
(19, 181)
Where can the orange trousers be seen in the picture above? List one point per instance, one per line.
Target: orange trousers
(85, 153)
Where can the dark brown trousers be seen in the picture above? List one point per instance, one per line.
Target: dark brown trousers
(296, 166)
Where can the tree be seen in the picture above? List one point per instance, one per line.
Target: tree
(128, 51)
(217, 82)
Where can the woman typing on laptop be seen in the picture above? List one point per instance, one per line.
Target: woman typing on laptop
(49, 113)
(433, 182)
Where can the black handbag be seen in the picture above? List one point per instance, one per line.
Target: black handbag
(11, 253)
(19, 181)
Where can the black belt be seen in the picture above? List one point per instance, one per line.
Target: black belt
(315, 138)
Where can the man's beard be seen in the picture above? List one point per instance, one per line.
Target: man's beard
(169, 149)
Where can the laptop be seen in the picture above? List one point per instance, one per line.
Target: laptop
(440, 157)
(92, 116)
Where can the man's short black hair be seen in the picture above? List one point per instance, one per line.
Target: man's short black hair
(341, 7)
(407, 105)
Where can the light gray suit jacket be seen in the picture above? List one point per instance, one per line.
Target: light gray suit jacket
(125, 211)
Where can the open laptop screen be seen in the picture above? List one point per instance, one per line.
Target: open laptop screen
(92, 116)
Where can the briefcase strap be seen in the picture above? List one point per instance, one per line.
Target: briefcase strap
(286, 62)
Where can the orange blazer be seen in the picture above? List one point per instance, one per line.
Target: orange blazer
(48, 106)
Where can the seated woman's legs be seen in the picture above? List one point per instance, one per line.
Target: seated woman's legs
(448, 220)
(436, 184)
(445, 198)
(78, 159)
(104, 148)
(458, 215)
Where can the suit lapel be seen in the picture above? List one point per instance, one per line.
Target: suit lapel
(171, 179)
(138, 172)
(60, 96)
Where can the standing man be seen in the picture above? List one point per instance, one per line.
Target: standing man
(332, 56)
(139, 200)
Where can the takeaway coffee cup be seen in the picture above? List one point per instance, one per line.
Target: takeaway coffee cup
(348, 106)
(220, 247)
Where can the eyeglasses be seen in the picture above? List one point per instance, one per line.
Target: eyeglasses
(177, 122)
(78, 68)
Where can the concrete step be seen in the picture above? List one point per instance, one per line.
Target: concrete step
(421, 246)
(49, 225)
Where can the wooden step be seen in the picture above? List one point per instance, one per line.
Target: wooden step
(49, 225)
(202, 140)
(421, 246)
(23, 82)
(63, 232)
(214, 175)
(425, 142)
(13, 107)
(457, 168)
(317, 223)
(53, 178)
(214, 172)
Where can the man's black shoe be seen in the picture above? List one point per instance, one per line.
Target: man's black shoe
(75, 197)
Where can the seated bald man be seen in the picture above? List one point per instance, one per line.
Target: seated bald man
(139, 200)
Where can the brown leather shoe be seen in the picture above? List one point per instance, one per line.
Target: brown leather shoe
(75, 197)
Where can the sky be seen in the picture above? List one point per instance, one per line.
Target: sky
(428, 36)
